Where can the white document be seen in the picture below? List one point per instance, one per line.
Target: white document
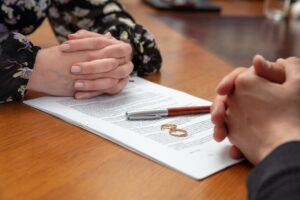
(196, 155)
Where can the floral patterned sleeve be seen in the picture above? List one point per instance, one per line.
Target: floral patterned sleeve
(17, 57)
(17, 54)
(67, 16)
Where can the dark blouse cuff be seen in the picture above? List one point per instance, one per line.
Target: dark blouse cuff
(146, 56)
(278, 175)
(17, 55)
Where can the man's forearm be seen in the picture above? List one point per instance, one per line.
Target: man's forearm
(277, 176)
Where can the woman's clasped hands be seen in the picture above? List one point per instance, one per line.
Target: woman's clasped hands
(87, 65)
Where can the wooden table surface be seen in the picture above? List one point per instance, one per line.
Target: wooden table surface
(42, 157)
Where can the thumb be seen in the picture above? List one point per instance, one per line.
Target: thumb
(273, 72)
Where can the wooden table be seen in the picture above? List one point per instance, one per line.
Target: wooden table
(42, 157)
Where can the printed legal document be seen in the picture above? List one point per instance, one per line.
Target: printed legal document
(196, 155)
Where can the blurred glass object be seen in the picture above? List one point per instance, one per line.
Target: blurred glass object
(184, 5)
(276, 9)
(295, 10)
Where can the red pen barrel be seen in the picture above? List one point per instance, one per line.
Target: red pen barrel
(188, 110)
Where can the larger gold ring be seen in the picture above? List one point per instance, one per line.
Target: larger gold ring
(178, 133)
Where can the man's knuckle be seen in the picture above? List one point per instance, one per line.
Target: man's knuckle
(242, 81)
(292, 58)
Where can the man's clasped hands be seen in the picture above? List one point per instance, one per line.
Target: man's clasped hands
(87, 65)
(258, 108)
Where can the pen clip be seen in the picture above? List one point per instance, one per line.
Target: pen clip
(143, 115)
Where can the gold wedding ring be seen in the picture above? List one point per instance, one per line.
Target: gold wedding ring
(172, 128)
(178, 133)
(169, 127)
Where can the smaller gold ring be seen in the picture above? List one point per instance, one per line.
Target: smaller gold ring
(169, 127)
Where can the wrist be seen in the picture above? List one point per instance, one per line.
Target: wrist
(35, 78)
(278, 140)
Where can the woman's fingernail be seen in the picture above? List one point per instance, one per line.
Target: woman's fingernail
(65, 46)
(78, 84)
(73, 35)
(75, 69)
(107, 35)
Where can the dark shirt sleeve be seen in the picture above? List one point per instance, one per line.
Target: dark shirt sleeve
(277, 177)
(106, 16)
